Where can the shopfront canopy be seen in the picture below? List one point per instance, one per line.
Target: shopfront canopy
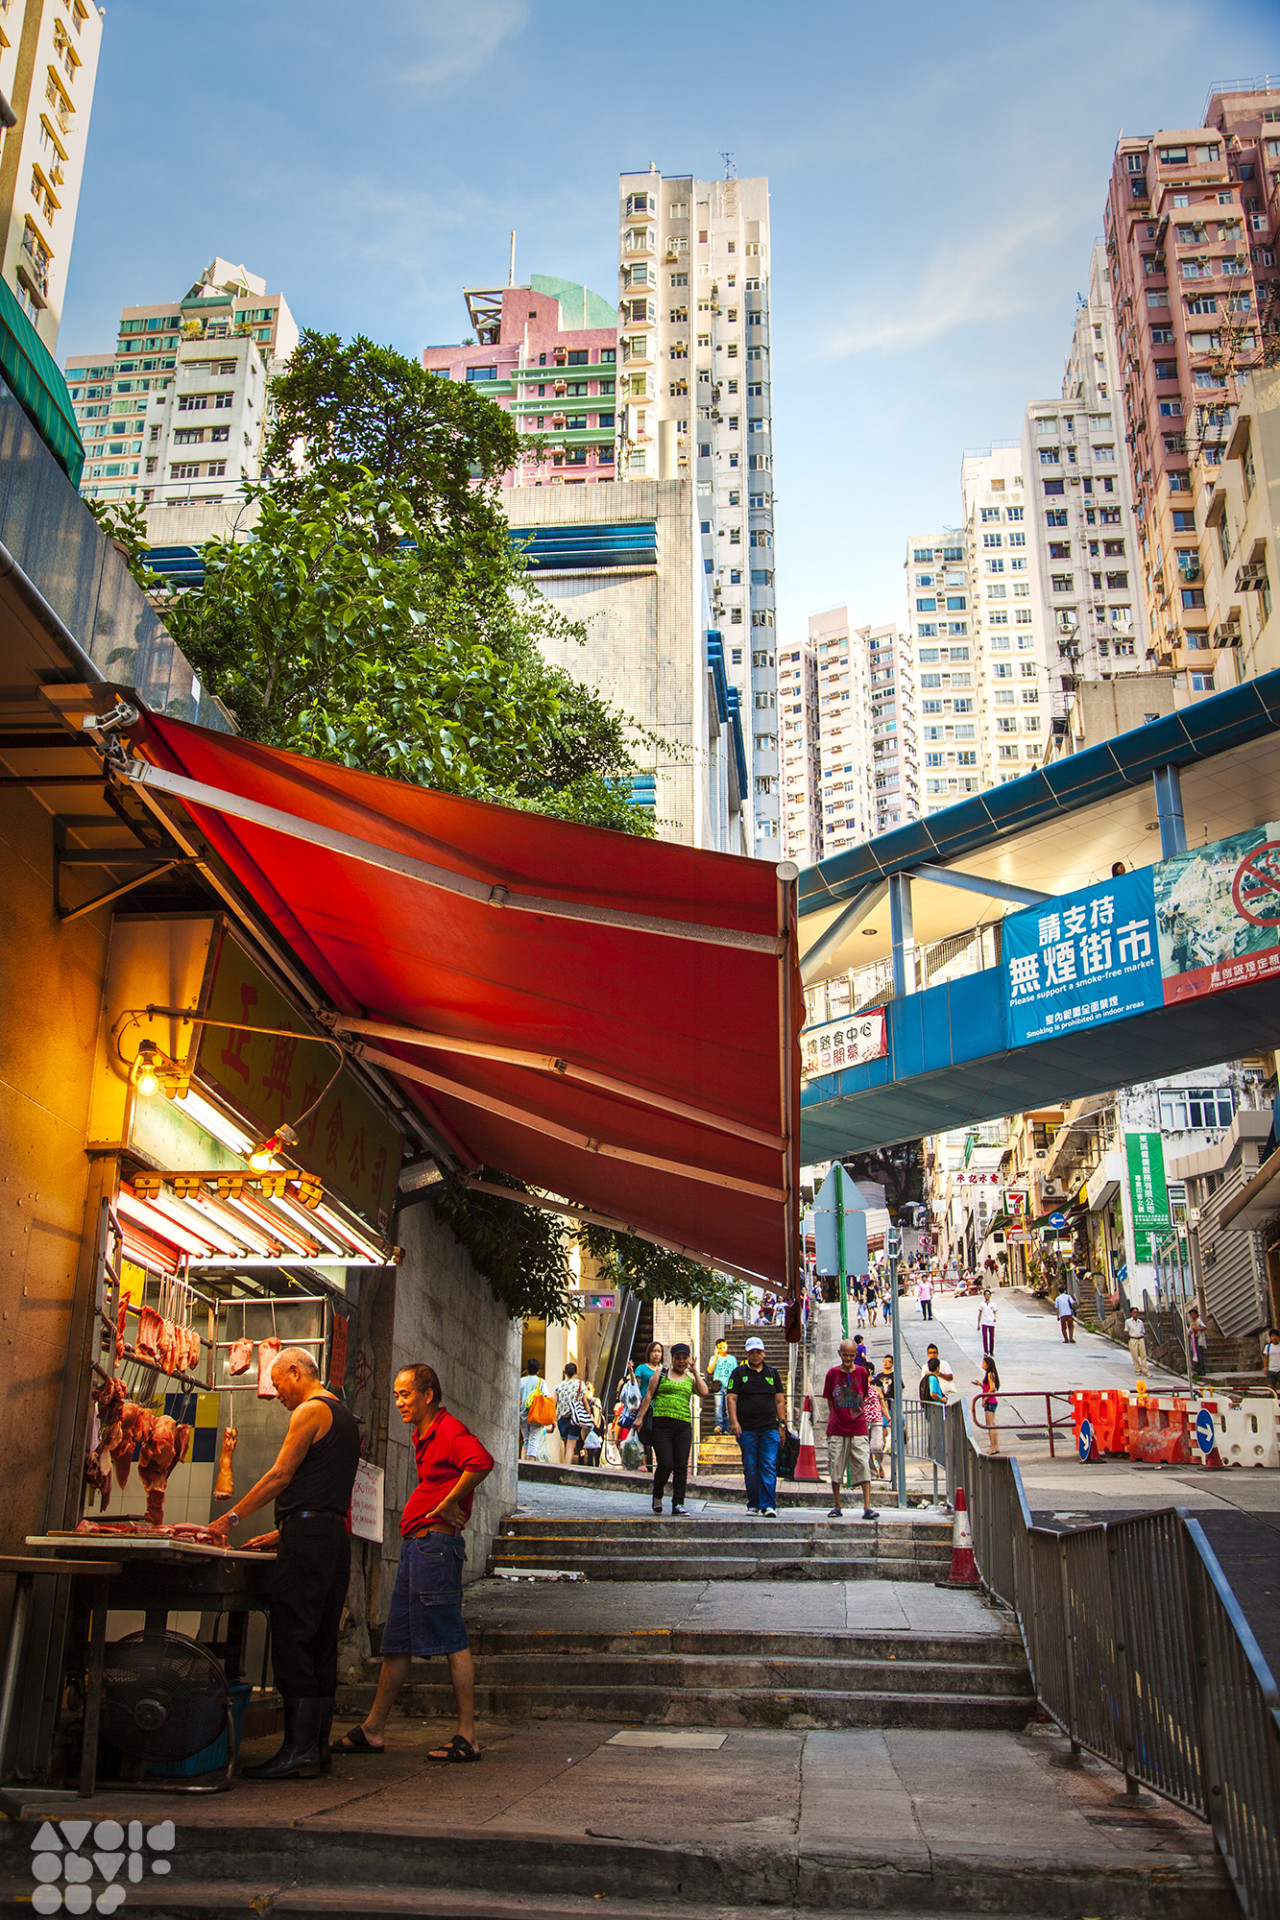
(611, 1020)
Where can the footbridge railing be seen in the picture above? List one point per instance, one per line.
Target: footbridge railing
(1139, 1651)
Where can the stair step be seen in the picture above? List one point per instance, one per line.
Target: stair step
(601, 1567)
(744, 1707)
(1001, 1647)
(689, 1674)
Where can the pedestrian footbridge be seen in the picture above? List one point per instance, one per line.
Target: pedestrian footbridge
(1110, 918)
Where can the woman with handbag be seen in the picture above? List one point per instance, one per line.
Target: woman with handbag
(990, 1385)
(573, 1415)
(643, 1427)
(669, 1399)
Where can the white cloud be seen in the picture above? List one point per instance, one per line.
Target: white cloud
(984, 277)
(455, 42)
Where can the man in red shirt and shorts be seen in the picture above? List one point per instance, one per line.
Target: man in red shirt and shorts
(848, 1428)
(425, 1615)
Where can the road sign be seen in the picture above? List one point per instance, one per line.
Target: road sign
(1206, 1436)
(1057, 1221)
(1085, 1442)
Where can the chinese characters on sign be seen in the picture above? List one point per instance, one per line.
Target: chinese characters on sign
(1148, 1194)
(1086, 958)
(347, 1141)
(842, 1043)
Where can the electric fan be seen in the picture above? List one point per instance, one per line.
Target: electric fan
(164, 1700)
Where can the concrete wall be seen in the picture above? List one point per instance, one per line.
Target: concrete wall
(46, 1072)
(646, 646)
(437, 1308)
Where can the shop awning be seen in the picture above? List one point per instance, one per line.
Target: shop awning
(612, 1020)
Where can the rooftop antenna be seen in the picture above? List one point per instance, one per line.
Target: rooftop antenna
(511, 271)
(730, 166)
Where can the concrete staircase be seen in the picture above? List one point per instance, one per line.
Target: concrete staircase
(695, 1678)
(788, 1548)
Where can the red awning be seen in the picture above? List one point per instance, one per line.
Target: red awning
(612, 1020)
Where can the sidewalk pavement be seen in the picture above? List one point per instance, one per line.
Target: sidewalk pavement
(776, 1820)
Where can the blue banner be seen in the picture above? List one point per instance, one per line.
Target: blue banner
(1083, 959)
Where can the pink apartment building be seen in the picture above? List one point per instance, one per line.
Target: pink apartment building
(546, 353)
(1192, 226)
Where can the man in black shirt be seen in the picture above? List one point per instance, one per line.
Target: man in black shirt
(758, 1421)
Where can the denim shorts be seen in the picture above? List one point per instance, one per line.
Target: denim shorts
(425, 1615)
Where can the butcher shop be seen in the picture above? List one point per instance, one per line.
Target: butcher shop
(272, 1008)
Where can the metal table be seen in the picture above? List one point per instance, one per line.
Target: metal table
(80, 1566)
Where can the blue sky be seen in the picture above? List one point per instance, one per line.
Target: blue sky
(937, 172)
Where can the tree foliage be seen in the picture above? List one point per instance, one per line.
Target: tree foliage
(656, 1274)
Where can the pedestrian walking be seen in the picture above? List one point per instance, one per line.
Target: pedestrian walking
(877, 1428)
(723, 1368)
(886, 1387)
(845, 1391)
(669, 1399)
(930, 1388)
(573, 1415)
(987, 1321)
(425, 1614)
(1197, 1342)
(630, 1394)
(1135, 1333)
(311, 1482)
(990, 1385)
(652, 1363)
(946, 1378)
(1065, 1307)
(758, 1421)
(1271, 1359)
(531, 1382)
(925, 1296)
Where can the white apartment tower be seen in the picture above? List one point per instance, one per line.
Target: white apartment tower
(1082, 507)
(694, 398)
(801, 777)
(48, 66)
(844, 730)
(176, 416)
(947, 678)
(1008, 655)
(895, 753)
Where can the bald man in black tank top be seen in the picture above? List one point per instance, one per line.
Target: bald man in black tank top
(311, 1484)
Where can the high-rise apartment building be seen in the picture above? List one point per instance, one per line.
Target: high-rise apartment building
(1008, 656)
(801, 762)
(1192, 218)
(1081, 509)
(848, 812)
(48, 65)
(546, 353)
(953, 760)
(694, 397)
(176, 416)
(895, 749)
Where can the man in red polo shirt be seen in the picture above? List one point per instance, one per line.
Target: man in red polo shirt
(425, 1615)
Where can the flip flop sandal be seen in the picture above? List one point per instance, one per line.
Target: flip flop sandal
(354, 1741)
(457, 1751)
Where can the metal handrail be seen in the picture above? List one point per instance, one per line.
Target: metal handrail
(1139, 1651)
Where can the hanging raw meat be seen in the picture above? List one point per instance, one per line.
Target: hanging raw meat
(338, 1354)
(240, 1357)
(132, 1421)
(120, 1325)
(150, 1326)
(223, 1487)
(268, 1354)
(160, 1452)
(166, 1346)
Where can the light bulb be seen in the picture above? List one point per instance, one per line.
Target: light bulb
(147, 1080)
(262, 1157)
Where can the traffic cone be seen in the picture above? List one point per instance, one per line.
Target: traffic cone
(964, 1568)
(807, 1458)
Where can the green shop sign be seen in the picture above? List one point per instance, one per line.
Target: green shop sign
(1148, 1194)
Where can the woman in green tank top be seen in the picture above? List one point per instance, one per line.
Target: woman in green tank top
(670, 1399)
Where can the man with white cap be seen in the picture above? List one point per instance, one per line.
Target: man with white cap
(758, 1421)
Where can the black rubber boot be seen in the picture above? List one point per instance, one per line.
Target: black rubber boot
(326, 1728)
(299, 1757)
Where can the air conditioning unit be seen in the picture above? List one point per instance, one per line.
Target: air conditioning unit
(1053, 1188)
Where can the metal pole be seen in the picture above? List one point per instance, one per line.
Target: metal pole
(898, 1419)
(844, 1279)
